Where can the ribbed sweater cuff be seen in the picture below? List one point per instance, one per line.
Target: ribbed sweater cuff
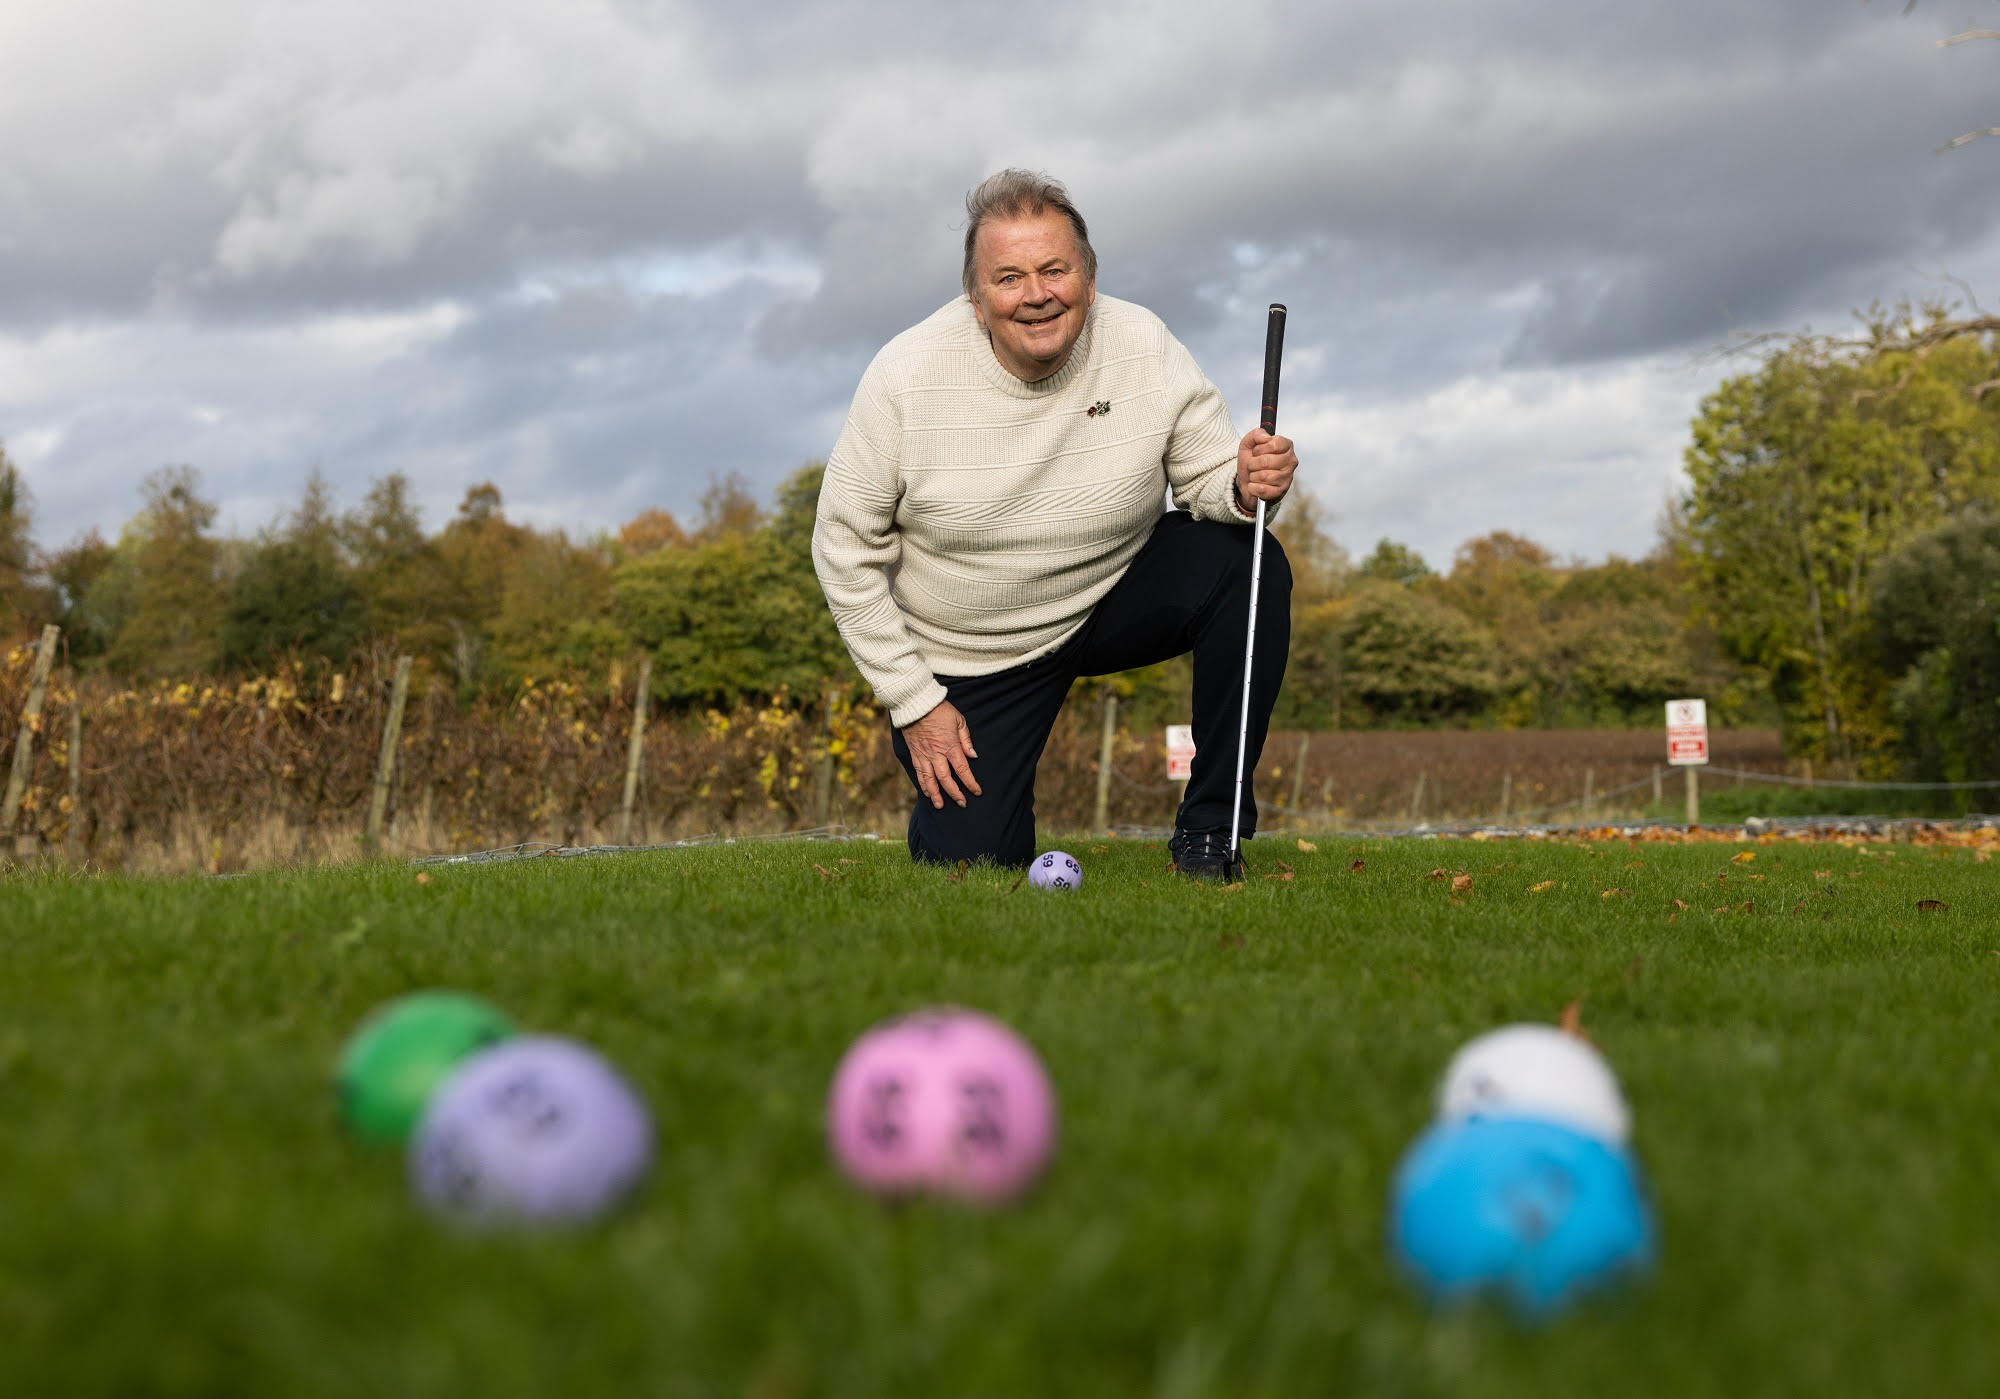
(905, 712)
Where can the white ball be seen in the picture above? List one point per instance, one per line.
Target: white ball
(1055, 870)
(535, 1129)
(1535, 1071)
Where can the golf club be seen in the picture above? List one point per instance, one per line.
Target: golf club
(1274, 351)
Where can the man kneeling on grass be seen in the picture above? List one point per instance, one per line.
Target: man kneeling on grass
(991, 528)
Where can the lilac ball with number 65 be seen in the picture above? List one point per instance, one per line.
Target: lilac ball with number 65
(536, 1130)
(1055, 870)
(945, 1100)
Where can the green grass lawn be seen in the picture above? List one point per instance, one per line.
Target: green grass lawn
(1816, 1097)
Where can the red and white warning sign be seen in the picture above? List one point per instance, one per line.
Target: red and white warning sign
(1180, 752)
(1687, 732)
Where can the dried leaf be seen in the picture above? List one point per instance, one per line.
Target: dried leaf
(1438, 874)
(1307, 845)
(1747, 906)
(1571, 1020)
(1461, 883)
(1932, 905)
(1743, 859)
(1680, 903)
(1543, 887)
(1356, 867)
(1799, 907)
(1758, 878)
(1822, 874)
(1612, 894)
(1286, 876)
(1285, 867)
(1724, 909)
(423, 879)
(825, 873)
(845, 861)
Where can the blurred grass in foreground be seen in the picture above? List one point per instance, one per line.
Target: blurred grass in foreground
(1812, 1077)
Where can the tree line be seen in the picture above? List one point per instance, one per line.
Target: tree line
(1832, 566)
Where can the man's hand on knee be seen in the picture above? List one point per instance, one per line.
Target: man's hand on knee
(940, 745)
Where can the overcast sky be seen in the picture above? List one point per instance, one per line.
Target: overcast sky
(600, 252)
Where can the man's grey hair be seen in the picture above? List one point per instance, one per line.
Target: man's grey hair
(1018, 194)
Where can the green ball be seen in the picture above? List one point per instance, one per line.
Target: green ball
(402, 1052)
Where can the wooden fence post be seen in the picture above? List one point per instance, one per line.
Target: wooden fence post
(385, 767)
(1589, 786)
(635, 748)
(1299, 777)
(827, 767)
(1657, 799)
(1101, 818)
(24, 741)
(1506, 793)
(1694, 796)
(73, 838)
(1417, 797)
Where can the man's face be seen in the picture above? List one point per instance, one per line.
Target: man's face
(1029, 291)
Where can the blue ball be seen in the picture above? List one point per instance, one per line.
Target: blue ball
(1535, 1212)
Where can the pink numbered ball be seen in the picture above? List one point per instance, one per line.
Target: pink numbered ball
(1055, 870)
(944, 1100)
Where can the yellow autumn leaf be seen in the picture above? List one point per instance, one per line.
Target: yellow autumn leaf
(1543, 887)
(1743, 859)
(1307, 845)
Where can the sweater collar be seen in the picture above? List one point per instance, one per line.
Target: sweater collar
(998, 375)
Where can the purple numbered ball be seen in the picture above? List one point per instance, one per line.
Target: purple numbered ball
(1055, 870)
(535, 1130)
(945, 1100)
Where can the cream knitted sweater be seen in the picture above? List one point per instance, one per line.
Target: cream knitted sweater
(969, 521)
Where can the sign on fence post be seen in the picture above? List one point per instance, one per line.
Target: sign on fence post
(1180, 757)
(1687, 747)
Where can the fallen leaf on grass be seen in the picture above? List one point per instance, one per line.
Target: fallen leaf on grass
(1283, 866)
(1356, 867)
(1758, 877)
(1307, 845)
(1680, 903)
(423, 879)
(1932, 905)
(1723, 909)
(1286, 876)
(1747, 906)
(1543, 887)
(1438, 874)
(1612, 894)
(1017, 884)
(1798, 907)
(957, 875)
(1461, 884)
(825, 873)
(1822, 874)
(1743, 859)
(1571, 1020)
(845, 861)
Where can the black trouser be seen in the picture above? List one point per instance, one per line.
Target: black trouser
(1188, 590)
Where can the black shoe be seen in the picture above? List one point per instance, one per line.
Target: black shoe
(1204, 855)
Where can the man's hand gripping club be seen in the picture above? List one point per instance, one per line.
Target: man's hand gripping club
(940, 745)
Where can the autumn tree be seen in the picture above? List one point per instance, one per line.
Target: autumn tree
(163, 595)
(739, 612)
(1804, 475)
(24, 600)
(1937, 619)
(295, 590)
